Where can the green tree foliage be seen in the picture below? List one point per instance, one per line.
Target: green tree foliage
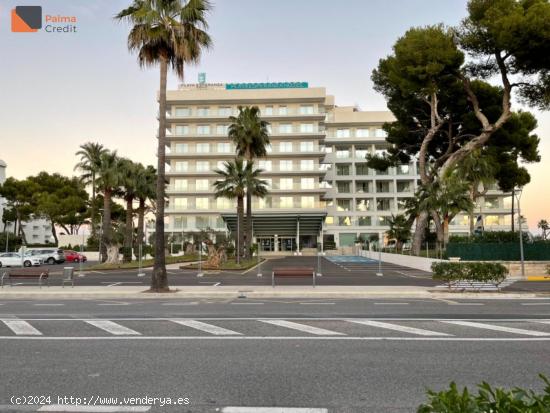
(400, 230)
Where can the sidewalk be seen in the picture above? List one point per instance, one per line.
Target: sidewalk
(79, 292)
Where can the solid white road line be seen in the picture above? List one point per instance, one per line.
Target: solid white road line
(302, 327)
(21, 327)
(273, 410)
(113, 328)
(498, 328)
(535, 303)
(391, 303)
(98, 409)
(208, 328)
(317, 303)
(49, 305)
(411, 330)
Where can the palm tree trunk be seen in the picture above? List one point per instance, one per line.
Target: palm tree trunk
(240, 232)
(106, 229)
(141, 219)
(418, 237)
(92, 209)
(248, 223)
(159, 279)
(128, 230)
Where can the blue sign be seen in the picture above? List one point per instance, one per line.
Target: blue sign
(202, 78)
(270, 85)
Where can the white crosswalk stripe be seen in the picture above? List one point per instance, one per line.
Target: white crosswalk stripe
(21, 328)
(208, 328)
(113, 328)
(302, 327)
(493, 327)
(273, 410)
(396, 327)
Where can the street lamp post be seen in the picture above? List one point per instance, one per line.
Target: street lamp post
(518, 194)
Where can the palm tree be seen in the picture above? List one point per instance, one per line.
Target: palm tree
(400, 230)
(168, 33)
(108, 182)
(250, 135)
(145, 190)
(129, 183)
(90, 159)
(235, 180)
(543, 225)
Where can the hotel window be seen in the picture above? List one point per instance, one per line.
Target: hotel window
(224, 111)
(268, 111)
(265, 203)
(362, 133)
(383, 204)
(460, 220)
(343, 204)
(204, 111)
(363, 186)
(342, 153)
(361, 169)
(203, 166)
(223, 203)
(306, 147)
(342, 170)
(383, 221)
(380, 133)
(201, 203)
(285, 128)
(222, 129)
(403, 169)
(265, 165)
(491, 202)
(182, 166)
(364, 221)
(220, 165)
(363, 204)
(182, 148)
(382, 172)
(180, 222)
(382, 187)
(344, 221)
(307, 183)
(361, 152)
(269, 129)
(283, 110)
(224, 147)
(180, 184)
(307, 165)
(202, 222)
(286, 202)
(402, 203)
(306, 127)
(492, 220)
(201, 184)
(285, 165)
(329, 220)
(203, 147)
(342, 133)
(285, 147)
(269, 148)
(307, 202)
(404, 186)
(286, 183)
(182, 130)
(183, 112)
(343, 187)
(269, 183)
(180, 203)
(306, 109)
(203, 129)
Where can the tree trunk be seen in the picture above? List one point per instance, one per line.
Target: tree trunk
(248, 246)
(141, 219)
(445, 231)
(106, 228)
(54, 233)
(513, 213)
(438, 228)
(128, 232)
(92, 209)
(159, 278)
(240, 232)
(418, 237)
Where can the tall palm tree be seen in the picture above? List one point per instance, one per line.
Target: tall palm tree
(250, 135)
(168, 33)
(145, 190)
(129, 184)
(235, 180)
(108, 182)
(90, 160)
(400, 230)
(544, 227)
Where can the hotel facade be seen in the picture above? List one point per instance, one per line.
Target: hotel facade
(320, 187)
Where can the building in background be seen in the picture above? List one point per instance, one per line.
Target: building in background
(316, 167)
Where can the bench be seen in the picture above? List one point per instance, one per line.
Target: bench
(25, 274)
(293, 272)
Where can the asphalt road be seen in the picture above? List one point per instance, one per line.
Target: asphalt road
(223, 355)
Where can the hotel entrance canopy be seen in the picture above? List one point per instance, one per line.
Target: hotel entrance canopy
(285, 224)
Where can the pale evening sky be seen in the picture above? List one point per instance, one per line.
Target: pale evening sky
(61, 90)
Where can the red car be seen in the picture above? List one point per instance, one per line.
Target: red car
(73, 256)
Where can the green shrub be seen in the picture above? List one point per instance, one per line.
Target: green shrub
(451, 272)
(487, 400)
(490, 237)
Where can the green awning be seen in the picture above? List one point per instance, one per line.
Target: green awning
(269, 224)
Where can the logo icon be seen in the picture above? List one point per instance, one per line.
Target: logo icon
(26, 19)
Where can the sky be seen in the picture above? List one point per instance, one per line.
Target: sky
(60, 90)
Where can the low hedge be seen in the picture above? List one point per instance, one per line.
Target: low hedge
(451, 272)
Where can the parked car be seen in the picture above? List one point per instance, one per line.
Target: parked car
(74, 256)
(13, 259)
(48, 255)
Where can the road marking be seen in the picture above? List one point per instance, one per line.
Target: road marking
(535, 303)
(112, 327)
(50, 305)
(21, 327)
(282, 338)
(391, 303)
(215, 285)
(98, 409)
(176, 304)
(98, 272)
(246, 303)
(208, 328)
(498, 328)
(411, 330)
(302, 327)
(317, 303)
(272, 410)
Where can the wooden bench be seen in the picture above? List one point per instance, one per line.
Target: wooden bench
(38, 274)
(293, 272)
